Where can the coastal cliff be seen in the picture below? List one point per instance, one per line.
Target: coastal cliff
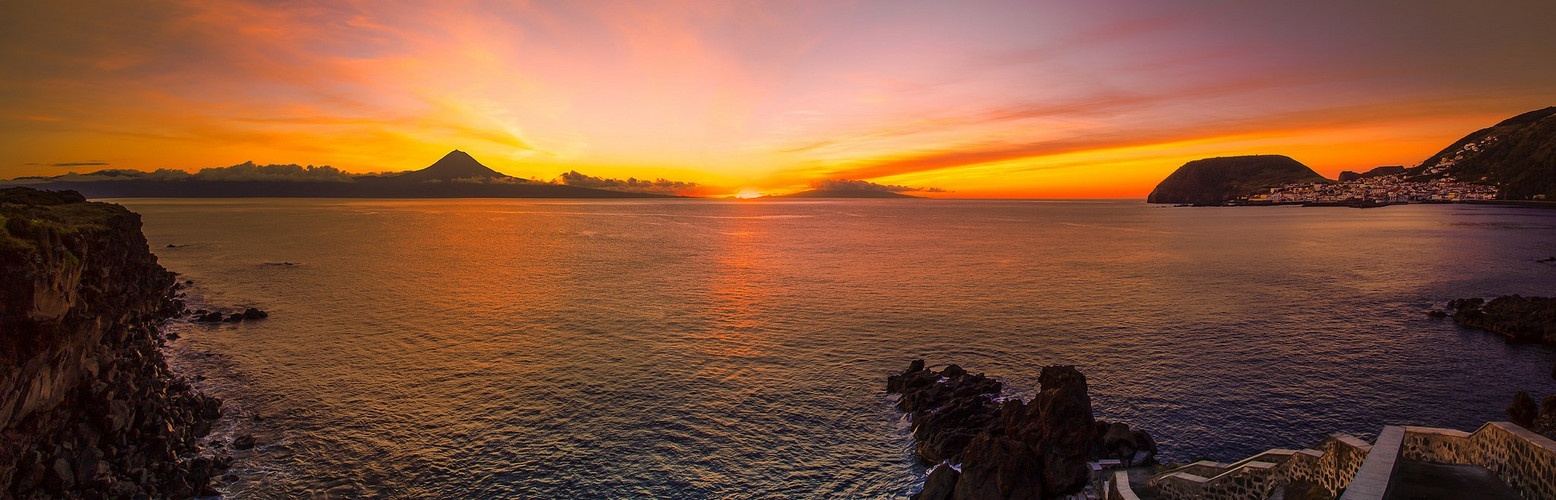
(1213, 181)
(90, 408)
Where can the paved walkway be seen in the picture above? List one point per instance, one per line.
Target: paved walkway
(1428, 481)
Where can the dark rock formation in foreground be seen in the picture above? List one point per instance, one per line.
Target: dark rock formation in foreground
(1213, 181)
(1010, 449)
(89, 408)
(1520, 319)
(1539, 418)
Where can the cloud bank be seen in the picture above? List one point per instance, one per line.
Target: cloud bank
(656, 186)
(246, 171)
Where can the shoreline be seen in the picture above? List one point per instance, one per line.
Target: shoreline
(1544, 205)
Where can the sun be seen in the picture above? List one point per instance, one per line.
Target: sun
(747, 194)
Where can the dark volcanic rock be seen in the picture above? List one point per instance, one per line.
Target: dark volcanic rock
(1541, 419)
(252, 313)
(940, 485)
(1061, 421)
(946, 414)
(999, 467)
(89, 407)
(1213, 181)
(1523, 411)
(1010, 449)
(1521, 319)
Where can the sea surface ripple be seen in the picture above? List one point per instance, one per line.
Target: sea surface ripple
(720, 349)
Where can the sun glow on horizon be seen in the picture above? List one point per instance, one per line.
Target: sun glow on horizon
(997, 99)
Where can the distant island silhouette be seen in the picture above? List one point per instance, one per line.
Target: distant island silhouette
(456, 175)
(837, 193)
(853, 188)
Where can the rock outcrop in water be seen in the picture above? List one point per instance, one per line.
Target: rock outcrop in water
(90, 409)
(1009, 449)
(1520, 319)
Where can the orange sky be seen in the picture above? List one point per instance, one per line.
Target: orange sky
(984, 99)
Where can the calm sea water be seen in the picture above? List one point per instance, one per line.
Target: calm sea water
(710, 349)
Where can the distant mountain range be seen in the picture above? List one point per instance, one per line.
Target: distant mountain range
(1518, 156)
(456, 175)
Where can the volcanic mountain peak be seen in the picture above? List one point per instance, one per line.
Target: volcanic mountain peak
(454, 165)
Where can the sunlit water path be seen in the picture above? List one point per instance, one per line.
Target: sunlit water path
(546, 349)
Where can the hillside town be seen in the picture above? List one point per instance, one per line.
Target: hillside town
(1389, 185)
(1380, 189)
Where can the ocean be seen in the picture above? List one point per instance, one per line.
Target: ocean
(724, 349)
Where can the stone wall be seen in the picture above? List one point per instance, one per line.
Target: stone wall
(1522, 459)
(1331, 466)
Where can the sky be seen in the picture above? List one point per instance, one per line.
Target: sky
(1027, 99)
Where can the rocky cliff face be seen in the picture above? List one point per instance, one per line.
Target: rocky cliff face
(90, 408)
(1213, 181)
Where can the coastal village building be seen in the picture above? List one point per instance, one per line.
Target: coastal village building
(1390, 189)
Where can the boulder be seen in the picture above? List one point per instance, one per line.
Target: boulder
(940, 485)
(244, 442)
(1523, 411)
(252, 313)
(1067, 429)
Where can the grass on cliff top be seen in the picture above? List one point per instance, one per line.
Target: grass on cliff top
(37, 219)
